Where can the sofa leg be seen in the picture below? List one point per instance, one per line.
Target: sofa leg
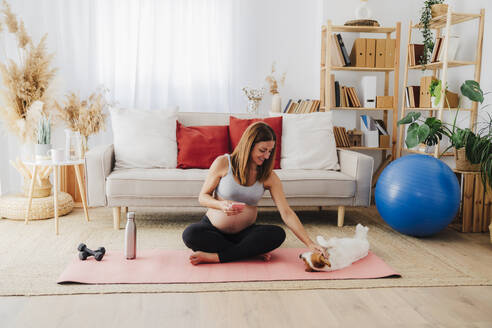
(341, 215)
(116, 217)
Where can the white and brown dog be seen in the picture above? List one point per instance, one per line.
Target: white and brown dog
(340, 252)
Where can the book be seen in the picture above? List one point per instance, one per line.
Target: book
(381, 127)
(337, 94)
(287, 106)
(346, 57)
(336, 52)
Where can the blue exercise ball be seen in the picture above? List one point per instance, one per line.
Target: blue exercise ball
(417, 195)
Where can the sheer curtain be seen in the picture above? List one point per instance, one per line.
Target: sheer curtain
(151, 54)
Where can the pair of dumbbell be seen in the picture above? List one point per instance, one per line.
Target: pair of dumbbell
(85, 252)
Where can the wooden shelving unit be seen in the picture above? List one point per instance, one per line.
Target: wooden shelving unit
(440, 69)
(326, 70)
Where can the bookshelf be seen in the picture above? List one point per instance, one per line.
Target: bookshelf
(442, 24)
(327, 69)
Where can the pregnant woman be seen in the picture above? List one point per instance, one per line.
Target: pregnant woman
(234, 185)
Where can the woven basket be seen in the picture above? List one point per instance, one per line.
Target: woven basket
(462, 163)
(439, 9)
(39, 190)
(14, 206)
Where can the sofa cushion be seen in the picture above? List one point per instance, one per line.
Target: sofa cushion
(173, 183)
(308, 141)
(237, 126)
(198, 146)
(144, 139)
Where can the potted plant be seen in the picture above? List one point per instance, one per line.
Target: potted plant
(435, 92)
(428, 36)
(477, 147)
(43, 145)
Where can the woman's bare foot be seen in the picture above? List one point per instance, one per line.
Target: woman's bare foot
(203, 257)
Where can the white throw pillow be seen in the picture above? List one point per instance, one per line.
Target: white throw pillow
(144, 139)
(308, 141)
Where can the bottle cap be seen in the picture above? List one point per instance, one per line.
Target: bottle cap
(130, 215)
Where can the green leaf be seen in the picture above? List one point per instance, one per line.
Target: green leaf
(412, 139)
(471, 90)
(411, 117)
(423, 132)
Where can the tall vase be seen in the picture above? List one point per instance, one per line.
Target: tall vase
(276, 103)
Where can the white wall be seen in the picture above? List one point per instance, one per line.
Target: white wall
(284, 31)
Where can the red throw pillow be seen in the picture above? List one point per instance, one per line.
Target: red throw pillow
(198, 146)
(237, 126)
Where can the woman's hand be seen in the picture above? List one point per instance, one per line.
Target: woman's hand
(227, 208)
(315, 248)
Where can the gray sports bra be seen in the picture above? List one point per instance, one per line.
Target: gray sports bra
(229, 189)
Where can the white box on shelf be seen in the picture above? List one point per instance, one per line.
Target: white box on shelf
(368, 84)
(370, 134)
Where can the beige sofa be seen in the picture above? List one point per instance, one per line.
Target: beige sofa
(351, 186)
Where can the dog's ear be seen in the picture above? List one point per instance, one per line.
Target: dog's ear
(308, 267)
(325, 260)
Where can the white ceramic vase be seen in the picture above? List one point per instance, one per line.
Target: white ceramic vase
(276, 103)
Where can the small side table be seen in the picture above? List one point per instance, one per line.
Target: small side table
(56, 165)
(476, 204)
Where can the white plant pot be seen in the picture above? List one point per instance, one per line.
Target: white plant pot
(42, 152)
(433, 99)
(276, 103)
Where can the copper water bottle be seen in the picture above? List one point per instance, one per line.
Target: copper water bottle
(130, 237)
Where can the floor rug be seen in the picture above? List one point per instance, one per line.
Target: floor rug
(172, 266)
(32, 256)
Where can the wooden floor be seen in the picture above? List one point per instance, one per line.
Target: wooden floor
(383, 307)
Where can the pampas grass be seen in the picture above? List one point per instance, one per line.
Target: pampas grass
(272, 80)
(84, 116)
(25, 81)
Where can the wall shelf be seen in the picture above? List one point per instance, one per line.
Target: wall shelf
(440, 70)
(326, 70)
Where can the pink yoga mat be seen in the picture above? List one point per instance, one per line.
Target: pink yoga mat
(172, 266)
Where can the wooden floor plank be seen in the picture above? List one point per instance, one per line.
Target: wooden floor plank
(383, 307)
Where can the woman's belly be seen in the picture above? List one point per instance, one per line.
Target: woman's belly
(233, 223)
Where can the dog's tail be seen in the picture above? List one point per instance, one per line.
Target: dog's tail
(361, 231)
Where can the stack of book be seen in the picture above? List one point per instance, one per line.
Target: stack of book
(341, 137)
(339, 54)
(301, 106)
(438, 50)
(415, 54)
(413, 96)
(344, 96)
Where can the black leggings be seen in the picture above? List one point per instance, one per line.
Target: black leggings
(252, 241)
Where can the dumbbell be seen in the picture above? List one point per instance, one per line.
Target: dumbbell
(84, 252)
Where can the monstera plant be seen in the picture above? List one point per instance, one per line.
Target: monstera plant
(478, 145)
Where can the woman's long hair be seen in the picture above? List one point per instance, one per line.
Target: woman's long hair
(256, 132)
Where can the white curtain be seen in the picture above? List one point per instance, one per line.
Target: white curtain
(150, 54)
(155, 54)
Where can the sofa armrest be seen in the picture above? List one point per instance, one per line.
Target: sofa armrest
(99, 163)
(360, 167)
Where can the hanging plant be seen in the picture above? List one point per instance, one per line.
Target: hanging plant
(428, 36)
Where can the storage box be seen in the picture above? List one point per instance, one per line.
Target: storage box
(384, 141)
(384, 101)
(370, 138)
